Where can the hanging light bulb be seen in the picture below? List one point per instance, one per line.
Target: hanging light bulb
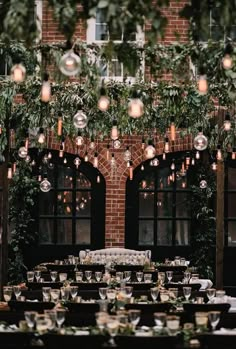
(79, 139)
(113, 160)
(61, 151)
(65, 161)
(227, 122)
(183, 184)
(95, 160)
(188, 159)
(143, 143)
(117, 144)
(155, 162)
(172, 166)
(80, 120)
(14, 167)
(172, 130)
(128, 164)
(142, 167)
(98, 179)
(127, 154)
(69, 63)
(193, 162)
(92, 144)
(167, 145)
(135, 106)
(233, 155)
(77, 162)
(203, 184)
(9, 171)
(45, 185)
(202, 82)
(46, 89)
(214, 166)
(59, 124)
(22, 152)
(200, 142)
(27, 141)
(49, 155)
(114, 131)
(27, 159)
(227, 60)
(18, 72)
(131, 170)
(219, 153)
(108, 152)
(42, 137)
(182, 171)
(33, 163)
(164, 156)
(197, 155)
(86, 157)
(149, 151)
(104, 101)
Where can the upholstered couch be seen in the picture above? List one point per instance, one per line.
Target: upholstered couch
(119, 256)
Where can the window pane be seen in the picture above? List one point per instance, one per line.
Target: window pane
(232, 233)
(183, 205)
(83, 204)
(146, 233)
(182, 232)
(64, 231)
(164, 232)
(164, 204)
(101, 16)
(65, 177)
(83, 231)
(231, 178)
(46, 228)
(146, 204)
(82, 181)
(232, 205)
(115, 35)
(148, 182)
(163, 178)
(115, 68)
(101, 32)
(46, 203)
(64, 203)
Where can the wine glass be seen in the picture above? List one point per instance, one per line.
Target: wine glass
(134, 317)
(30, 317)
(187, 292)
(55, 295)
(79, 276)
(17, 291)
(187, 277)
(82, 256)
(46, 294)
(73, 292)
(111, 294)
(60, 316)
(52, 316)
(53, 275)
(62, 277)
(112, 326)
(169, 275)
(101, 319)
(161, 278)
(211, 293)
(147, 278)
(154, 293)
(139, 276)
(65, 293)
(119, 276)
(98, 276)
(160, 319)
(102, 292)
(30, 276)
(127, 275)
(214, 318)
(88, 275)
(7, 293)
(37, 274)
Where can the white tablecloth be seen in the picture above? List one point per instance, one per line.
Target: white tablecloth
(205, 283)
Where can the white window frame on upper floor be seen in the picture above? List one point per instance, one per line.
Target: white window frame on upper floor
(140, 39)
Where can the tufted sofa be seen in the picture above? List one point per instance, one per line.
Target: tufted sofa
(119, 256)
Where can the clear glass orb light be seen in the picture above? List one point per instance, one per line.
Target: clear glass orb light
(203, 184)
(79, 140)
(155, 162)
(135, 108)
(69, 63)
(45, 185)
(80, 119)
(200, 142)
(77, 162)
(46, 91)
(127, 154)
(18, 73)
(22, 152)
(227, 62)
(149, 151)
(117, 144)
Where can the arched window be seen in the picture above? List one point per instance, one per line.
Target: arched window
(230, 203)
(71, 216)
(158, 206)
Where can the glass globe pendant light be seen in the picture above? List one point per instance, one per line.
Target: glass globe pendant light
(104, 101)
(69, 63)
(79, 139)
(80, 120)
(203, 184)
(202, 82)
(41, 138)
(127, 154)
(135, 106)
(227, 60)
(200, 142)
(45, 185)
(227, 122)
(149, 151)
(77, 162)
(114, 131)
(22, 152)
(18, 73)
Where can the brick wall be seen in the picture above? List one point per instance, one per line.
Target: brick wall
(116, 184)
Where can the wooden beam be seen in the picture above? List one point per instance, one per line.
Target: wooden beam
(220, 223)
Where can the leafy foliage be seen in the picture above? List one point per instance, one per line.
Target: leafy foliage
(22, 198)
